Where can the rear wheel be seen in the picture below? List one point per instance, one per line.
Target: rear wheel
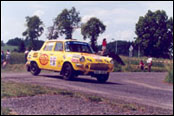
(34, 69)
(68, 71)
(102, 78)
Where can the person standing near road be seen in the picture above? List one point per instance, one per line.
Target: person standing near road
(149, 63)
(104, 43)
(2, 57)
(141, 65)
(26, 54)
(6, 59)
(8, 56)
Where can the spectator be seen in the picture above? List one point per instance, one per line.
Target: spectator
(104, 46)
(8, 56)
(141, 65)
(2, 57)
(149, 63)
(26, 54)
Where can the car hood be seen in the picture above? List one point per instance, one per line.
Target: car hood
(91, 57)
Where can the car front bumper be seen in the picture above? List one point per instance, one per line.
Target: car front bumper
(99, 68)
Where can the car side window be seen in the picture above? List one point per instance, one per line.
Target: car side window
(49, 46)
(59, 46)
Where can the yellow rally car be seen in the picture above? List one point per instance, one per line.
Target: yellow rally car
(71, 58)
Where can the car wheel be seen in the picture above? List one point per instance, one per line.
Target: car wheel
(34, 69)
(102, 78)
(68, 71)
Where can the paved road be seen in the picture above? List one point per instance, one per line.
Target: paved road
(140, 87)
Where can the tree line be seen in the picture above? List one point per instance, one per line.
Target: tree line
(154, 31)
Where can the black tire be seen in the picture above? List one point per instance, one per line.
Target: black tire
(34, 69)
(68, 71)
(102, 78)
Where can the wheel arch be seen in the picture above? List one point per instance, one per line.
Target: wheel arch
(61, 72)
(33, 61)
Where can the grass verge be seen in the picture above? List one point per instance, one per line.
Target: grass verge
(7, 111)
(14, 68)
(169, 77)
(13, 89)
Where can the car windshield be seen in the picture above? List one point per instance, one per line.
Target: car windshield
(75, 46)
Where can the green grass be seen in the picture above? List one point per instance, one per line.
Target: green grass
(12, 89)
(169, 77)
(5, 111)
(14, 68)
(131, 107)
(17, 58)
(95, 98)
(67, 93)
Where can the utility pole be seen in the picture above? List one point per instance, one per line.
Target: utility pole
(115, 47)
(130, 51)
(138, 51)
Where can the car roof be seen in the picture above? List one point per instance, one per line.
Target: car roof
(63, 40)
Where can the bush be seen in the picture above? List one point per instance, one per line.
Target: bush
(169, 77)
(117, 67)
(130, 68)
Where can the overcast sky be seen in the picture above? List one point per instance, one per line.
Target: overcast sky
(119, 17)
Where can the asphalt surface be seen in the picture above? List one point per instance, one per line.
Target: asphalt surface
(139, 87)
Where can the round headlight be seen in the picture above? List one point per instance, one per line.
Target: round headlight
(112, 61)
(82, 59)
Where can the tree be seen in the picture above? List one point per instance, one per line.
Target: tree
(34, 29)
(155, 34)
(15, 42)
(53, 32)
(91, 29)
(38, 44)
(21, 46)
(64, 23)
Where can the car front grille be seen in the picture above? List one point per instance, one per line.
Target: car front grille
(99, 66)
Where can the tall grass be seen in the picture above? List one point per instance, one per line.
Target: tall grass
(17, 58)
(16, 63)
(14, 68)
(169, 77)
(131, 64)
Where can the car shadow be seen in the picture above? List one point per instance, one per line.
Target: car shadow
(80, 79)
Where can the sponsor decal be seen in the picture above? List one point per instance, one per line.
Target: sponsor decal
(76, 42)
(75, 60)
(53, 60)
(35, 55)
(43, 59)
(76, 56)
(98, 60)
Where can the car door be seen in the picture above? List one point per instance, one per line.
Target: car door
(56, 60)
(45, 55)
